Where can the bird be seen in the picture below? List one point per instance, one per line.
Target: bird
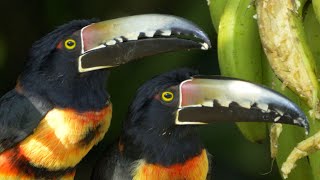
(59, 108)
(159, 139)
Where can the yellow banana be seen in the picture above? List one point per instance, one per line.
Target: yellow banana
(239, 52)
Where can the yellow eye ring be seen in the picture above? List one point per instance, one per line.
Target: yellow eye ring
(167, 96)
(70, 44)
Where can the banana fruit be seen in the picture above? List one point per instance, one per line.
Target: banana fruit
(311, 145)
(282, 36)
(216, 9)
(312, 29)
(282, 144)
(280, 48)
(239, 53)
(285, 43)
(316, 7)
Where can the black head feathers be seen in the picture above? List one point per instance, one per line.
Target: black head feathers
(146, 92)
(150, 130)
(44, 46)
(52, 74)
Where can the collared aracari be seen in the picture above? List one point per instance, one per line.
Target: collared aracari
(59, 108)
(159, 139)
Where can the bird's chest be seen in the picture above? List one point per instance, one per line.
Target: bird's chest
(61, 140)
(195, 168)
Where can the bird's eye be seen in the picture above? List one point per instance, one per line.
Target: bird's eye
(70, 44)
(167, 96)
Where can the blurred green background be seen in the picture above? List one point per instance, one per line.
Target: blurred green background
(23, 22)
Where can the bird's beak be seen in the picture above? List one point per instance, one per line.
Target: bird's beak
(207, 99)
(114, 42)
